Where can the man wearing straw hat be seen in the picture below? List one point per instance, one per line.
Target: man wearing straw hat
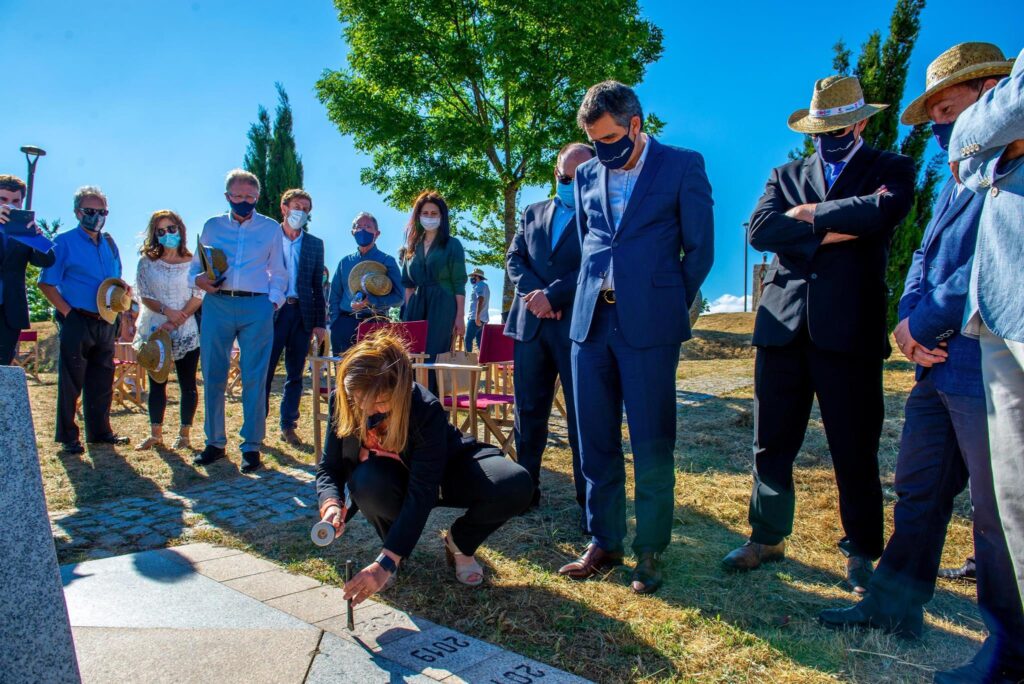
(945, 439)
(987, 151)
(84, 285)
(479, 298)
(821, 326)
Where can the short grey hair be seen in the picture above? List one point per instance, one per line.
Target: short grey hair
(366, 214)
(88, 191)
(609, 97)
(241, 176)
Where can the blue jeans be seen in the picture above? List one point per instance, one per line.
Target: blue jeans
(291, 337)
(250, 320)
(473, 334)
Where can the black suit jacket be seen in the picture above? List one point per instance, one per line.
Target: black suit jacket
(534, 264)
(839, 289)
(14, 257)
(310, 283)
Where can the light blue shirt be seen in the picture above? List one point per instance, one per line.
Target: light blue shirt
(291, 249)
(480, 290)
(341, 296)
(621, 184)
(79, 266)
(564, 215)
(254, 254)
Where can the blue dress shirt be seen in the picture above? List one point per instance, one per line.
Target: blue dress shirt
(292, 249)
(341, 296)
(564, 215)
(79, 266)
(254, 254)
(621, 183)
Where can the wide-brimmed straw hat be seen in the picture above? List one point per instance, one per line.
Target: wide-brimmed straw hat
(370, 277)
(479, 273)
(837, 102)
(112, 299)
(960, 63)
(155, 355)
(213, 261)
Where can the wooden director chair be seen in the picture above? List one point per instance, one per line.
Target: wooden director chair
(324, 370)
(234, 371)
(129, 377)
(27, 353)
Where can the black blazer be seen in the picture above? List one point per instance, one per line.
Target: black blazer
(14, 257)
(432, 442)
(533, 264)
(838, 290)
(310, 283)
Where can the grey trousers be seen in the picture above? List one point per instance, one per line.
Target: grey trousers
(1002, 366)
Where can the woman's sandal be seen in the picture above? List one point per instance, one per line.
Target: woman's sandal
(150, 443)
(470, 574)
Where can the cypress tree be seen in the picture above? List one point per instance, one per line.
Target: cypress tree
(256, 155)
(272, 156)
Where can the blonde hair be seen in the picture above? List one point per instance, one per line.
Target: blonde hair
(151, 246)
(376, 366)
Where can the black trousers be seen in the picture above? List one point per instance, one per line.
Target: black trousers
(85, 367)
(8, 340)
(849, 392)
(185, 370)
(291, 338)
(490, 486)
(538, 365)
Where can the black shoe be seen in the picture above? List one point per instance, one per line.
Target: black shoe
(980, 670)
(209, 455)
(858, 573)
(72, 448)
(865, 615)
(647, 577)
(968, 572)
(250, 461)
(109, 439)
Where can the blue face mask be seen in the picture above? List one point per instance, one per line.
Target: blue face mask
(615, 155)
(566, 193)
(375, 420)
(242, 209)
(170, 240)
(364, 238)
(942, 133)
(832, 149)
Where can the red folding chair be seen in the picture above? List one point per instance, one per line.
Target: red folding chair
(27, 352)
(497, 400)
(413, 332)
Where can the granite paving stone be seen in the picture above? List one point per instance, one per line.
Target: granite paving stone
(233, 567)
(271, 585)
(438, 652)
(376, 625)
(512, 668)
(198, 552)
(339, 660)
(312, 605)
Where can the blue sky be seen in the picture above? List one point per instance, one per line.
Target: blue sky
(151, 100)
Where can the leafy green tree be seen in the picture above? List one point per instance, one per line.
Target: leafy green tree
(39, 308)
(272, 155)
(474, 97)
(882, 70)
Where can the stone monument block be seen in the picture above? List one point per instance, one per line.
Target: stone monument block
(34, 627)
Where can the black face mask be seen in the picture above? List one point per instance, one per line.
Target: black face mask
(93, 223)
(374, 420)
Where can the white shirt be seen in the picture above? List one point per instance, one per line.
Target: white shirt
(292, 249)
(621, 184)
(253, 251)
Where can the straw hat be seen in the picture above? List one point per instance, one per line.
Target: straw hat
(960, 63)
(112, 299)
(156, 356)
(478, 273)
(837, 102)
(370, 277)
(213, 261)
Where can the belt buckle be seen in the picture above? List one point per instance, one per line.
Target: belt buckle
(608, 296)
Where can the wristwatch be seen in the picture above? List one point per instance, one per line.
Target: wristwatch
(387, 563)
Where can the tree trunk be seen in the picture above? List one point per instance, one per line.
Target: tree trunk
(511, 221)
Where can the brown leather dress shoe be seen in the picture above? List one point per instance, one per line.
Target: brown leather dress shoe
(752, 554)
(647, 576)
(291, 437)
(594, 560)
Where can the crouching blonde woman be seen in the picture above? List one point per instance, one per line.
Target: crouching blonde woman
(389, 441)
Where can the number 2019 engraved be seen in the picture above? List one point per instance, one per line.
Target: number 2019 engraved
(439, 649)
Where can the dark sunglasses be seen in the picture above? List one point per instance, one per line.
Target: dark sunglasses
(564, 180)
(94, 212)
(832, 134)
(170, 229)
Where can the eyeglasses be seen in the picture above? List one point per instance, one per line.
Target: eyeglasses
(164, 231)
(242, 198)
(832, 134)
(88, 211)
(564, 180)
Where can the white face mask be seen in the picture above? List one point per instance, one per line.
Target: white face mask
(430, 223)
(297, 219)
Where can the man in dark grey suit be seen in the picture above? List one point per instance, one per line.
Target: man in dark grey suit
(543, 264)
(304, 311)
(14, 257)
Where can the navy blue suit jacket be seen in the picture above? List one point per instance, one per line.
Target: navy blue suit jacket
(310, 283)
(662, 250)
(534, 264)
(936, 288)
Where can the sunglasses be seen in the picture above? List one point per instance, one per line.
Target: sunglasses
(170, 229)
(564, 180)
(832, 134)
(94, 212)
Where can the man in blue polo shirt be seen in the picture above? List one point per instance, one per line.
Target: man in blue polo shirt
(83, 258)
(345, 316)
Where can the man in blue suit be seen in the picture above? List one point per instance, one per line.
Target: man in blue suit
(644, 215)
(945, 439)
(543, 264)
(987, 149)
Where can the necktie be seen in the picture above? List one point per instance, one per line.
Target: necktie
(832, 172)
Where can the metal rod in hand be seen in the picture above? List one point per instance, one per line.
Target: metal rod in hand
(348, 608)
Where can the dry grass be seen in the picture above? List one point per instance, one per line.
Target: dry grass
(703, 626)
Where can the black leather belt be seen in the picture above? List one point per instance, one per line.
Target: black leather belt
(606, 297)
(238, 293)
(88, 314)
(291, 300)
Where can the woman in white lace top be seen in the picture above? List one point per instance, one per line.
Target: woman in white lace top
(169, 301)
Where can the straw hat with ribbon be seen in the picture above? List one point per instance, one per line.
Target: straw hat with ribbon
(156, 355)
(837, 102)
(112, 299)
(479, 273)
(370, 277)
(960, 63)
(213, 262)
